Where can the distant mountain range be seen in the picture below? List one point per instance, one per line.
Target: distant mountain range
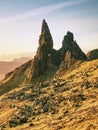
(7, 66)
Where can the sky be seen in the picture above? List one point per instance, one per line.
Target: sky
(20, 24)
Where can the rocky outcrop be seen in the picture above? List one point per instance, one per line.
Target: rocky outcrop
(45, 37)
(43, 54)
(70, 51)
(92, 55)
(69, 44)
(46, 57)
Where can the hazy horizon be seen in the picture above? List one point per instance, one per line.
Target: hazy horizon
(20, 24)
(13, 56)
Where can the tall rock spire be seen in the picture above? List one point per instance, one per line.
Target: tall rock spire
(45, 37)
(40, 62)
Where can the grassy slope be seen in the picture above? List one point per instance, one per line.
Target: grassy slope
(14, 78)
(20, 76)
(73, 95)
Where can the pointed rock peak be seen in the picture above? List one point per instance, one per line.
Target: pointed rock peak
(41, 60)
(45, 27)
(70, 45)
(69, 33)
(44, 21)
(68, 40)
(45, 37)
(70, 36)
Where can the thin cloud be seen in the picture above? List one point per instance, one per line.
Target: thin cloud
(43, 10)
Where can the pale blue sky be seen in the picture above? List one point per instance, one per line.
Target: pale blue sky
(20, 23)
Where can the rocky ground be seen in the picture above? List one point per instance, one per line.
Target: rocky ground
(67, 101)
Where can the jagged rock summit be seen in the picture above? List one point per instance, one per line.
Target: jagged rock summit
(45, 37)
(46, 58)
(41, 59)
(69, 44)
(70, 51)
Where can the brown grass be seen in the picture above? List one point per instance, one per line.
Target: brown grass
(77, 111)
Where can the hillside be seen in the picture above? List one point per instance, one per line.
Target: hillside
(8, 66)
(57, 89)
(66, 102)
